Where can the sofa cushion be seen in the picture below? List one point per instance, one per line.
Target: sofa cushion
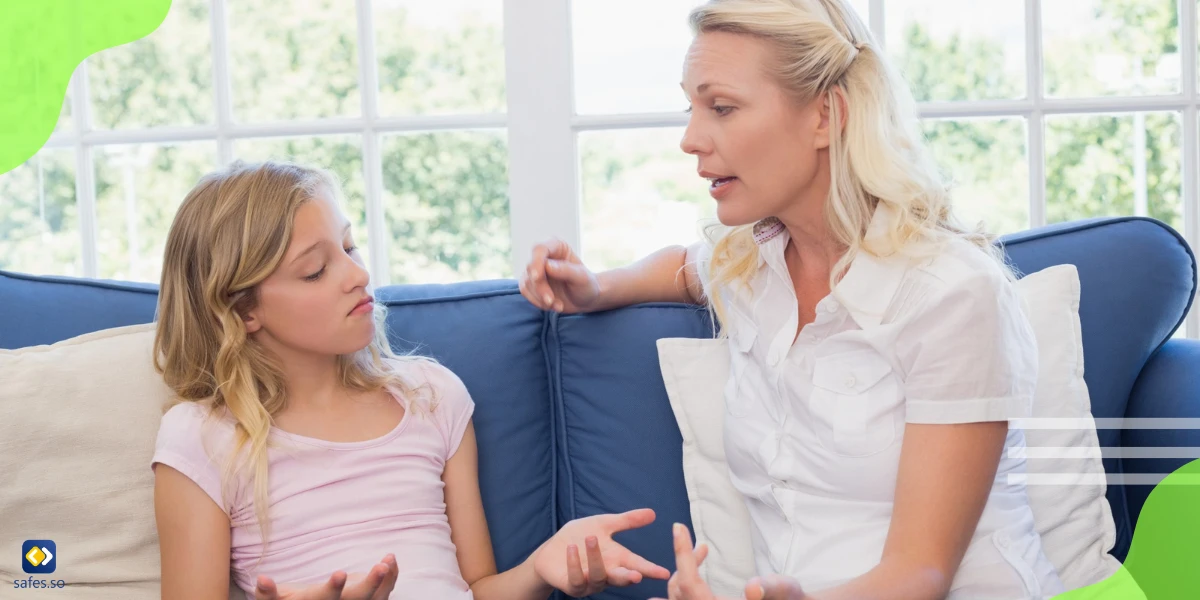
(78, 421)
(1137, 278)
(618, 444)
(44, 310)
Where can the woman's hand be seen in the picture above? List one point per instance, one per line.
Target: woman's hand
(686, 583)
(608, 563)
(376, 585)
(556, 279)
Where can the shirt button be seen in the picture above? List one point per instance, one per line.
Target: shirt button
(851, 381)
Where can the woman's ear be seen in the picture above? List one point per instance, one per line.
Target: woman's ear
(824, 107)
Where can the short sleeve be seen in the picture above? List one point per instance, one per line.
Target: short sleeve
(183, 444)
(454, 407)
(969, 354)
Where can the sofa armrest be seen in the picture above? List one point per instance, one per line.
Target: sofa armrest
(1168, 387)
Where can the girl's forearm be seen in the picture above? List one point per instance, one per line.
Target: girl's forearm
(518, 583)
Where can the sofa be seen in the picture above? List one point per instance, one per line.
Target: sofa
(572, 416)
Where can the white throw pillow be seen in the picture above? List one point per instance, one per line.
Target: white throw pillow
(78, 420)
(695, 371)
(1075, 521)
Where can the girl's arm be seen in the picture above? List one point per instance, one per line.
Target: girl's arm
(580, 559)
(469, 532)
(193, 537)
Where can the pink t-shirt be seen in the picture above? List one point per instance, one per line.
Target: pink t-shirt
(339, 505)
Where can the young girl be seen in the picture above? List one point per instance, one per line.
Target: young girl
(303, 457)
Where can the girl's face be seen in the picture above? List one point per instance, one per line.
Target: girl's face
(317, 301)
(763, 150)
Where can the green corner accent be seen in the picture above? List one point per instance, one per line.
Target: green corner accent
(1164, 558)
(41, 43)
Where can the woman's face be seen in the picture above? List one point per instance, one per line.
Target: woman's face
(762, 150)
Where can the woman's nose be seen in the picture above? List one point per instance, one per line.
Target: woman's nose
(692, 142)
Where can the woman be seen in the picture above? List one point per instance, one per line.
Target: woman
(877, 347)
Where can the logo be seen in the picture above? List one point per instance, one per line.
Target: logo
(38, 556)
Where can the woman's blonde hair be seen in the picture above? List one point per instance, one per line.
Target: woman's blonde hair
(230, 233)
(822, 47)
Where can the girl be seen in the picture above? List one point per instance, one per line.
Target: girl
(877, 347)
(300, 449)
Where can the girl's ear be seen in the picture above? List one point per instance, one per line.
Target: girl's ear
(252, 322)
(244, 306)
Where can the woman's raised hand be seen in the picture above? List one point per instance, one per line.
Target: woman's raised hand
(555, 279)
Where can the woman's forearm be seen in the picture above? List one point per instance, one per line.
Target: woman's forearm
(518, 583)
(658, 277)
(894, 579)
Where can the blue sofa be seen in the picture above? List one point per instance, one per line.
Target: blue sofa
(572, 416)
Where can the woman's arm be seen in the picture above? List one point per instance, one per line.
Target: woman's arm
(946, 473)
(556, 279)
(668, 275)
(193, 538)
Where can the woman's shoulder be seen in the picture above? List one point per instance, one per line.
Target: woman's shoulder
(960, 264)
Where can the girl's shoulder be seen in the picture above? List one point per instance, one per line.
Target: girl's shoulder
(427, 380)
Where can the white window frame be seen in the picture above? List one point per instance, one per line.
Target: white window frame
(542, 126)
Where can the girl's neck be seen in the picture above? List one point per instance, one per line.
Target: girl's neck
(311, 381)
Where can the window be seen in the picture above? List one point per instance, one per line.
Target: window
(465, 131)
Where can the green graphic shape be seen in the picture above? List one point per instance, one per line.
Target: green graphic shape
(41, 43)
(1164, 557)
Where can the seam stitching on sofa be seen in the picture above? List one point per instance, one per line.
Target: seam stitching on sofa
(553, 423)
(123, 286)
(439, 299)
(560, 405)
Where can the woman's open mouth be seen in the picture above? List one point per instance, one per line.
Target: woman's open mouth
(717, 182)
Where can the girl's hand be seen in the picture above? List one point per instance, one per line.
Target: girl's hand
(376, 585)
(556, 279)
(608, 563)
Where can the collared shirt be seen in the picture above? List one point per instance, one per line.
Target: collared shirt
(815, 421)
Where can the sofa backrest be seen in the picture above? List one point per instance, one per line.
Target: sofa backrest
(572, 415)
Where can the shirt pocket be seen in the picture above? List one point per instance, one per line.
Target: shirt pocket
(740, 388)
(854, 402)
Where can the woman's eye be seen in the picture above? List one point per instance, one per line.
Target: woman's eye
(315, 276)
(722, 110)
(351, 249)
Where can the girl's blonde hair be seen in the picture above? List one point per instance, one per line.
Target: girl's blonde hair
(230, 233)
(822, 47)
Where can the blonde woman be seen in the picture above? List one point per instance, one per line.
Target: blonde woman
(877, 346)
(302, 455)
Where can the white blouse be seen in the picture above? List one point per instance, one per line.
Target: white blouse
(813, 428)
